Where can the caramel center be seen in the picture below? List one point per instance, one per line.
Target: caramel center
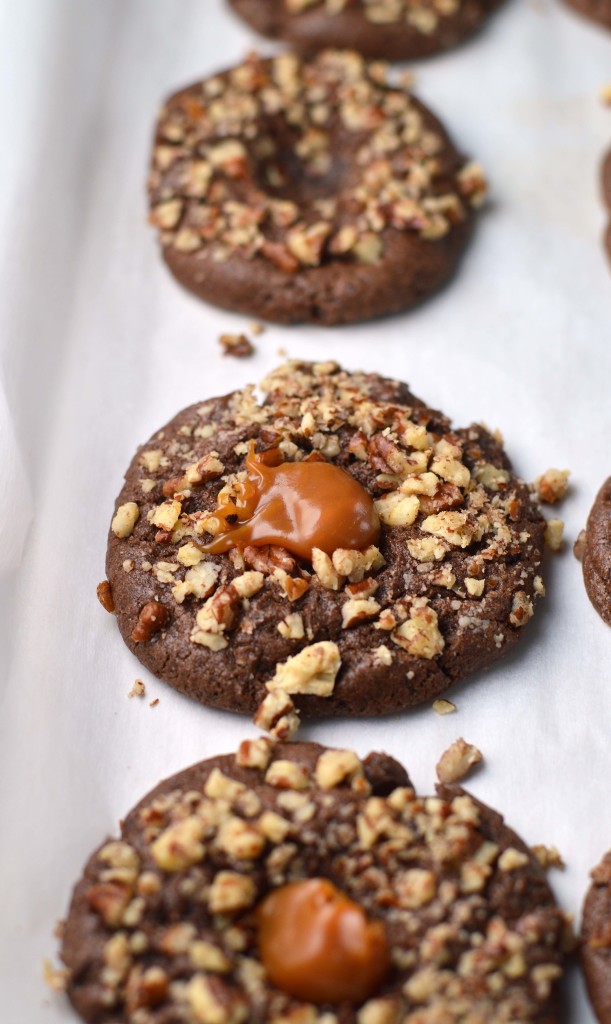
(298, 506)
(318, 945)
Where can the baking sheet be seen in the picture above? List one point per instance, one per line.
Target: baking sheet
(100, 347)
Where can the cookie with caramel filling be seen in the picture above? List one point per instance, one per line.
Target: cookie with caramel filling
(339, 543)
(290, 882)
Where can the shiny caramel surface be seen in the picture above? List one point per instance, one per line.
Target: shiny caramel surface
(317, 944)
(298, 506)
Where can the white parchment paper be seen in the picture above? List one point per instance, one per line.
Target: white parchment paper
(99, 347)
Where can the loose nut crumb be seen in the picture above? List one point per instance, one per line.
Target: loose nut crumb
(256, 328)
(548, 856)
(237, 345)
(138, 689)
(456, 762)
(553, 534)
(277, 715)
(579, 547)
(605, 94)
(153, 617)
(551, 486)
(443, 706)
(105, 596)
(55, 977)
(154, 703)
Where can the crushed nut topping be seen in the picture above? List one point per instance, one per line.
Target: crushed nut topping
(213, 195)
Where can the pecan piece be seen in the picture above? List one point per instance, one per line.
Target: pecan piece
(269, 557)
(278, 253)
(445, 497)
(105, 596)
(237, 345)
(153, 617)
(222, 608)
(109, 900)
(173, 486)
(145, 988)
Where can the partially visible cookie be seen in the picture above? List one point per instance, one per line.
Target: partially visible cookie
(310, 190)
(606, 188)
(404, 554)
(296, 883)
(596, 553)
(386, 29)
(595, 10)
(596, 933)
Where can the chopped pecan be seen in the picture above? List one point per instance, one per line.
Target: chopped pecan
(386, 456)
(153, 617)
(105, 596)
(268, 558)
(223, 606)
(173, 486)
(236, 345)
(446, 496)
(145, 988)
(109, 900)
(279, 254)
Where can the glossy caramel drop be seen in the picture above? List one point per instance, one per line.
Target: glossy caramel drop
(298, 506)
(318, 945)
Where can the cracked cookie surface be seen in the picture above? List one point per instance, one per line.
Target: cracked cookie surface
(446, 590)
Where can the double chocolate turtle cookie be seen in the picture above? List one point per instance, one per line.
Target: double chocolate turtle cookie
(308, 191)
(340, 544)
(594, 549)
(296, 883)
(596, 933)
(387, 29)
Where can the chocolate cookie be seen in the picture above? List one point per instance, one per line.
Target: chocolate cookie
(596, 933)
(313, 191)
(595, 10)
(340, 543)
(596, 553)
(606, 189)
(387, 29)
(294, 882)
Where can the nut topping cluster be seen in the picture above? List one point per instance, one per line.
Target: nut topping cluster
(166, 917)
(422, 15)
(303, 163)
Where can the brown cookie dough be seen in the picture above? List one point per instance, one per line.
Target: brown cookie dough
(596, 557)
(595, 10)
(164, 925)
(386, 29)
(446, 590)
(596, 934)
(308, 191)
